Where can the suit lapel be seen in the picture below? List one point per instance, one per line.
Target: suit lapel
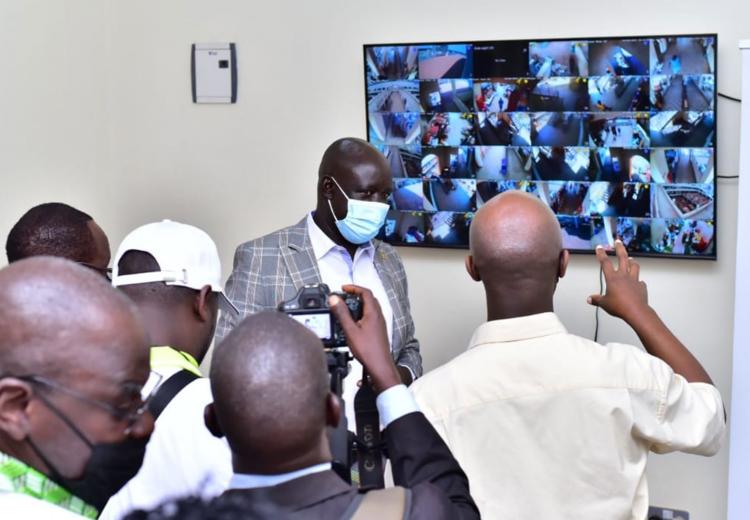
(297, 253)
(385, 272)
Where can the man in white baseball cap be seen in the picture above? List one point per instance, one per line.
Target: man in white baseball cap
(172, 272)
(186, 255)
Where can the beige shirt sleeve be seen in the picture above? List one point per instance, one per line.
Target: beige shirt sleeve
(671, 414)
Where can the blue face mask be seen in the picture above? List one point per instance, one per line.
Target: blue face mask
(363, 218)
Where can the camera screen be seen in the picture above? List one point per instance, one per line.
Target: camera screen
(320, 323)
(616, 135)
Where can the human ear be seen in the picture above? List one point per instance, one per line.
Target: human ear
(327, 187)
(563, 263)
(202, 304)
(15, 396)
(212, 422)
(333, 410)
(472, 269)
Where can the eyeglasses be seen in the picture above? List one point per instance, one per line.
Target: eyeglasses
(131, 413)
(104, 271)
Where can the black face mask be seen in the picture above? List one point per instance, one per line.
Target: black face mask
(108, 469)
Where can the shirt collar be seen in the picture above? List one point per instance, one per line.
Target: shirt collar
(250, 481)
(517, 329)
(322, 243)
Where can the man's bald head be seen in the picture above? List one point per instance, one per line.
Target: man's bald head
(343, 154)
(54, 314)
(516, 243)
(270, 387)
(64, 331)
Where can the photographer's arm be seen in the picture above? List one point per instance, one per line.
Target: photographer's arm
(626, 297)
(420, 459)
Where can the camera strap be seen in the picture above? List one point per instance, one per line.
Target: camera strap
(392, 503)
(168, 390)
(369, 452)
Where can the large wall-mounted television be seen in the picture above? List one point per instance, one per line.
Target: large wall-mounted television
(616, 135)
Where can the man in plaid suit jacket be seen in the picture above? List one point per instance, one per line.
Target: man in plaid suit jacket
(271, 269)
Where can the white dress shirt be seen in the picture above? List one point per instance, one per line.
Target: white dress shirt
(252, 481)
(392, 404)
(551, 425)
(182, 457)
(337, 268)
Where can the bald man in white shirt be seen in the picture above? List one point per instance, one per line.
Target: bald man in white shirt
(547, 424)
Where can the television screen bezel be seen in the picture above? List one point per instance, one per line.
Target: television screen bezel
(715, 36)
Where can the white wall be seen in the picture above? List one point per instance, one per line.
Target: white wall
(739, 471)
(96, 111)
(53, 106)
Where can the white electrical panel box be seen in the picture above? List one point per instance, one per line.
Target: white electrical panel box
(214, 73)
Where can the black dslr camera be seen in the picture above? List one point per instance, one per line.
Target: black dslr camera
(310, 307)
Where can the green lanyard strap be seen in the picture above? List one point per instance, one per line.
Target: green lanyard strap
(162, 357)
(17, 477)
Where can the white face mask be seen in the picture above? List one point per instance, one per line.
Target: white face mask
(363, 218)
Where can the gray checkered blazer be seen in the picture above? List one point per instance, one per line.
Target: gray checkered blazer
(271, 269)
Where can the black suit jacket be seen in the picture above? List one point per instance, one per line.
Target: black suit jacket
(420, 460)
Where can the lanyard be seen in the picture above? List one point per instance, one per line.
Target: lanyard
(17, 477)
(163, 357)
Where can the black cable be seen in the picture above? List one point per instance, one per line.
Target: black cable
(736, 100)
(730, 98)
(596, 312)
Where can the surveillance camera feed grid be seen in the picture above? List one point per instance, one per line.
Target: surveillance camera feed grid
(616, 135)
